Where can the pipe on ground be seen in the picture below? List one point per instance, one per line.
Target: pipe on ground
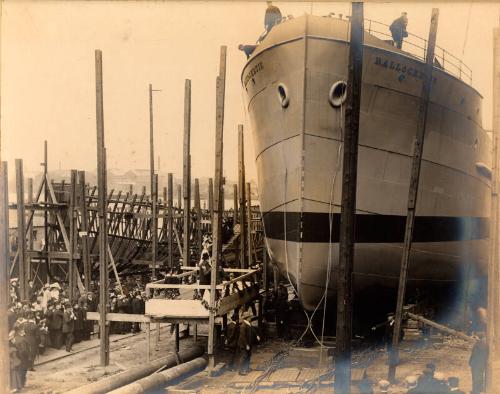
(163, 378)
(113, 382)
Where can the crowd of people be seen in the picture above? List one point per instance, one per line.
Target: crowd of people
(47, 319)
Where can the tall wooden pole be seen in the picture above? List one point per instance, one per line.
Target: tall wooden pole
(87, 272)
(179, 197)
(45, 213)
(493, 324)
(154, 190)
(413, 191)
(186, 258)
(216, 228)
(241, 188)
(348, 209)
(170, 221)
(197, 207)
(29, 267)
(154, 225)
(4, 279)
(211, 198)
(21, 229)
(72, 238)
(249, 224)
(102, 212)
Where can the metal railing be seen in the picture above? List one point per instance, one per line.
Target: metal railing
(417, 46)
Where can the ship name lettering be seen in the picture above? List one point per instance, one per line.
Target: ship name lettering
(402, 69)
(258, 67)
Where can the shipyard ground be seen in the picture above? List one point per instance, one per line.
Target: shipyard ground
(294, 370)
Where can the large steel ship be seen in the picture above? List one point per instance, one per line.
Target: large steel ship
(295, 87)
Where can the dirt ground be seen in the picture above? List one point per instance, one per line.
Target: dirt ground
(275, 365)
(58, 371)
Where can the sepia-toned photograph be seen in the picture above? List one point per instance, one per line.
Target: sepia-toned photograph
(249, 196)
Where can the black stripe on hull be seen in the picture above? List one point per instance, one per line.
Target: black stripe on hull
(374, 228)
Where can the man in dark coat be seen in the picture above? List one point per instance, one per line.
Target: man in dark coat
(23, 352)
(32, 335)
(272, 16)
(244, 343)
(55, 322)
(79, 323)
(15, 363)
(68, 327)
(478, 361)
(398, 29)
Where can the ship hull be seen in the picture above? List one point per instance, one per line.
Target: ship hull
(298, 137)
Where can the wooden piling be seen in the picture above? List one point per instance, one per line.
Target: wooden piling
(72, 239)
(21, 231)
(179, 197)
(413, 191)
(211, 198)
(102, 208)
(241, 188)
(4, 279)
(197, 207)
(84, 236)
(154, 225)
(249, 225)
(29, 265)
(186, 258)
(170, 221)
(216, 228)
(348, 209)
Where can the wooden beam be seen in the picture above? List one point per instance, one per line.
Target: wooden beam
(211, 199)
(170, 220)
(72, 239)
(29, 267)
(241, 189)
(154, 225)
(418, 148)
(217, 222)
(249, 224)
(103, 231)
(186, 258)
(197, 207)
(4, 279)
(348, 209)
(21, 231)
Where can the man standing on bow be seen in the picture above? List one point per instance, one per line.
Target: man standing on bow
(398, 29)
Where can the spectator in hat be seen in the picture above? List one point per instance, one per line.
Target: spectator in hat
(23, 353)
(55, 317)
(15, 363)
(55, 290)
(45, 296)
(32, 335)
(68, 327)
(79, 323)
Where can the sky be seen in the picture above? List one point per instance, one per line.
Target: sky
(48, 74)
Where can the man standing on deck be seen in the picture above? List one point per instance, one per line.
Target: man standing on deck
(478, 362)
(272, 17)
(398, 30)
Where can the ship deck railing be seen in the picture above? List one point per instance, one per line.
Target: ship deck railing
(417, 46)
(413, 45)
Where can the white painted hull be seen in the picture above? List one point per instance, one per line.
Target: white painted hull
(299, 170)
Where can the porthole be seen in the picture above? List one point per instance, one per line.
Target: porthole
(283, 95)
(338, 93)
